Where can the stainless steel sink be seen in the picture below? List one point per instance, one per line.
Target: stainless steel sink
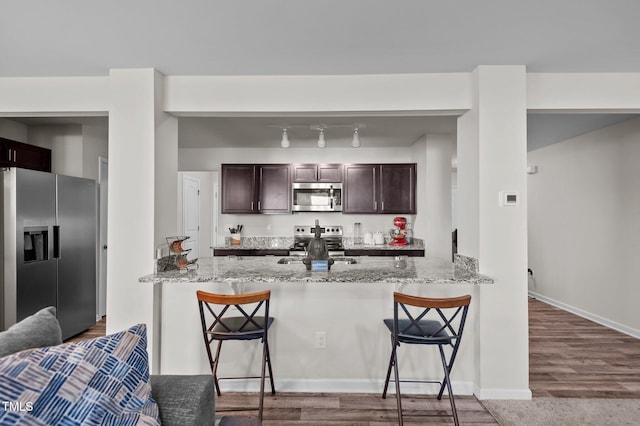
(299, 259)
(289, 260)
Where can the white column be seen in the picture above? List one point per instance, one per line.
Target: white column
(492, 159)
(438, 195)
(166, 166)
(141, 137)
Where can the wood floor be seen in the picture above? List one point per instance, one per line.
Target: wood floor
(341, 409)
(572, 357)
(569, 357)
(97, 330)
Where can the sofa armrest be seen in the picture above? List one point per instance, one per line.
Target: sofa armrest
(184, 400)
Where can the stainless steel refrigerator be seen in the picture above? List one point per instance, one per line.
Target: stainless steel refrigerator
(49, 248)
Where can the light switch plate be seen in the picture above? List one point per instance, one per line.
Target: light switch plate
(509, 198)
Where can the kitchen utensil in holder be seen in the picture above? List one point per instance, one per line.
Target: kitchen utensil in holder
(236, 239)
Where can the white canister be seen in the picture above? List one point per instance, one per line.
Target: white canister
(378, 238)
(368, 238)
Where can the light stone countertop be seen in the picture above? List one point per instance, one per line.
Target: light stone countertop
(258, 243)
(230, 269)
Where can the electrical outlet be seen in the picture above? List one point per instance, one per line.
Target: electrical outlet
(321, 340)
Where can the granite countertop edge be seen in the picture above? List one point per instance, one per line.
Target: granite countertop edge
(367, 271)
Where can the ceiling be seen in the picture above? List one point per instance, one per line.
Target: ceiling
(285, 37)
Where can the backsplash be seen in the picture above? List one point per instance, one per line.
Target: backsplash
(282, 225)
(466, 263)
(263, 242)
(286, 242)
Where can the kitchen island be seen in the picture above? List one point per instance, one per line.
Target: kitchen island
(345, 305)
(266, 269)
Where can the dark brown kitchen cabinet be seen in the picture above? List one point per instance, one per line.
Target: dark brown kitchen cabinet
(317, 173)
(397, 189)
(256, 188)
(379, 188)
(25, 156)
(238, 188)
(274, 188)
(360, 188)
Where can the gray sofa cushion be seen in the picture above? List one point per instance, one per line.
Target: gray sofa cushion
(184, 400)
(36, 331)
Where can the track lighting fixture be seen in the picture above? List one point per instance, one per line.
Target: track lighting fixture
(320, 128)
(285, 139)
(356, 138)
(321, 142)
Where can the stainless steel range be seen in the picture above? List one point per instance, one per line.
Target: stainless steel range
(303, 234)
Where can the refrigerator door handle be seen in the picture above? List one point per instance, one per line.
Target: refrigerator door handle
(56, 242)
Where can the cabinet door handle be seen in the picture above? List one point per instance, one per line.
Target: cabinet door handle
(375, 205)
(258, 204)
(382, 205)
(252, 206)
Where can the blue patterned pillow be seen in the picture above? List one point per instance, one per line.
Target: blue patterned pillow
(103, 381)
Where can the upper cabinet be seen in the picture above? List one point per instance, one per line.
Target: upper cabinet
(360, 188)
(274, 188)
(317, 173)
(398, 188)
(238, 188)
(380, 188)
(17, 154)
(261, 188)
(367, 188)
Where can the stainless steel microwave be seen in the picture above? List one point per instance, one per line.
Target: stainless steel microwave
(317, 197)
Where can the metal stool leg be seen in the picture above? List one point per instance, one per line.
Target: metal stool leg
(394, 356)
(265, 348)
(214, 368)
(273, 389)
(386, 382)
(448, 382)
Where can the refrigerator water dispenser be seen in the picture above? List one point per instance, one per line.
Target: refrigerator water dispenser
(36, 243)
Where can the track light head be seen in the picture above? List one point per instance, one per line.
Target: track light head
(321, 142)
(285, 139)
(356, 138)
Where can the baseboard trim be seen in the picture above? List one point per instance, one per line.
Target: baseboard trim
(584, 314)
(342, 386)
(523, 394)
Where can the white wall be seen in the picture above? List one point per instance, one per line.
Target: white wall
(65, 142)
(419, 222)
(437, 194)
(491, 154)
(584, 226)
(95, 144)
(74, 148)
(13, 130)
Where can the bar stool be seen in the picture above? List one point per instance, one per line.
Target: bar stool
(412, 326)
(246, 324)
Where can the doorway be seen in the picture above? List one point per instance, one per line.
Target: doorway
(198, 210)
(191, 214)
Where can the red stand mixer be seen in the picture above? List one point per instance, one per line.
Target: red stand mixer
(400, 232)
